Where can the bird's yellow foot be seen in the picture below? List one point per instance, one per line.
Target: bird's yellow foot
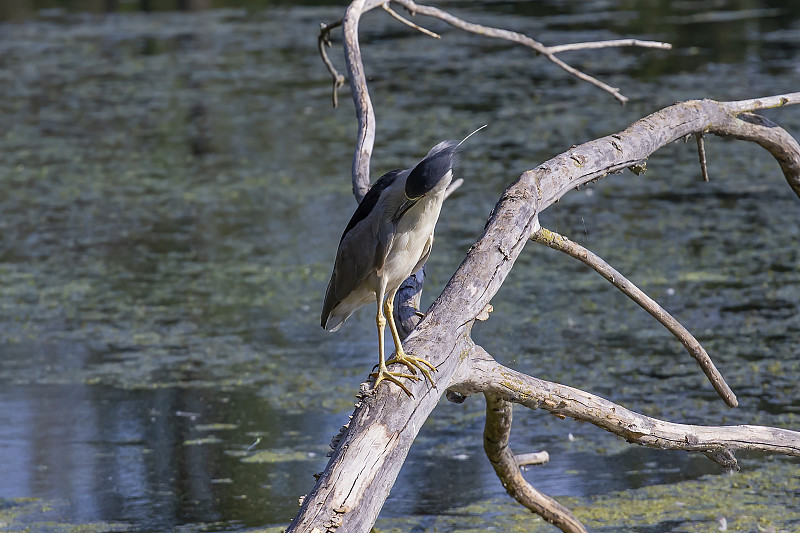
(413, 363)
(384, 374)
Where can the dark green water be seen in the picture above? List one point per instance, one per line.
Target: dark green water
(172, 188)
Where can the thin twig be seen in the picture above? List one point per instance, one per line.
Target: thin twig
(323, 41)
(591, 45)
(573, 249)
(407, 22)
(512, 36)
(701, 151)
(768, 102)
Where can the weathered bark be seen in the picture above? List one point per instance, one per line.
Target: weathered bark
(369, 452)
(350, 492)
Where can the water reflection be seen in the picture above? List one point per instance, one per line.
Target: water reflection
(157, 459)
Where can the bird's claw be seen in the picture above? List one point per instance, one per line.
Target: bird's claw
(414, 363)
(384, 374)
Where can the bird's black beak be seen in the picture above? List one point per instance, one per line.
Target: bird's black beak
(404, 207)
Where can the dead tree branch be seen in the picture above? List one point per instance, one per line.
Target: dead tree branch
(503, 386)
(368, 453)
(507, 467)
(358, 81)
(573, 249)
(410, 24)
(367, 458)
(701, 152)
(497, 381)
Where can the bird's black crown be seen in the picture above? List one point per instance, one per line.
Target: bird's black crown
(430, 171)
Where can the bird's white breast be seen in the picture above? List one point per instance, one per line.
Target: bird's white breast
(414, 231)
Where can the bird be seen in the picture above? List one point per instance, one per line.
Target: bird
(388, 238)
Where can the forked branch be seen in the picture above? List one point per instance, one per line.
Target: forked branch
(492, 378)
(358, 80)
(350, 492)
(503, 386)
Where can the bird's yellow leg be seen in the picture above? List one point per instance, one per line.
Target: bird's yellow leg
(401, 356)
(383, 371)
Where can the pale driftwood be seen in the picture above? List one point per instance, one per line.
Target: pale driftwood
(695, 349)
(410, 24)
(719, 442)
(369, 453)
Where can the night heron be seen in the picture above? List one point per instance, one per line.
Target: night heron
(389, 238)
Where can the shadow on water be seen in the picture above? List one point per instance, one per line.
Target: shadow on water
(173, 184)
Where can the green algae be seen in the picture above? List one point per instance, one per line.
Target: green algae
(37, 515)
(761, 498)
(278, 456)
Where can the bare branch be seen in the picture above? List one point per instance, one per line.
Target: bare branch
(351, 490)
(766, 102)
(512, 36)
(364, 110)
(573, 249)
(407, 22)
(453, 187)
(593, 45)
(495, 442)
(718, 442)
(777, 141)
(323, 41)
(532, 459)
(358, 81)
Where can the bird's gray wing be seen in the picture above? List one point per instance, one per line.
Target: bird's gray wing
(361, 252)
(358, 247)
